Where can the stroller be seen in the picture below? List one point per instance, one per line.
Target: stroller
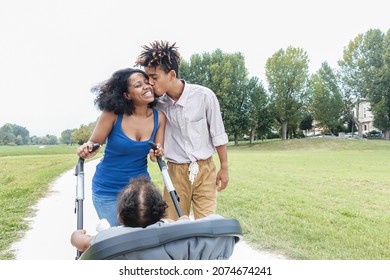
(209, 238)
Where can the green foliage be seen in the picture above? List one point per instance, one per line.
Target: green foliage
(260, 118)
(306, 122)
(242, 101)
(13, 134)
(287, 74)
(366, 74)
(233, 94)
(68, 136)
(82, 134)
(381, 95)
(327, 104)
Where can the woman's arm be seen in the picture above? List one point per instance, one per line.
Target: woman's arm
(159, 138)
(99, 135)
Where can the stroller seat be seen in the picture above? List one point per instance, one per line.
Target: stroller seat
(209, 238)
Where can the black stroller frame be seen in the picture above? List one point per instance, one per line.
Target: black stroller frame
(79, 202)
(213, 237)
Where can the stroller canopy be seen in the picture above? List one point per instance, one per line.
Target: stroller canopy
(209, 238)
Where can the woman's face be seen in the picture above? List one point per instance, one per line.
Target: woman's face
(139, 90)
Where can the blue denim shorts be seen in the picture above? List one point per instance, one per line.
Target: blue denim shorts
(106, 208)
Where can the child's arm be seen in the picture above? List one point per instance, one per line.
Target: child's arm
(80, 239)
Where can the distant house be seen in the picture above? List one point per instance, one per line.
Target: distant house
(363, 117)
(316, 130)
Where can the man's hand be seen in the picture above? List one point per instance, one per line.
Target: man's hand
(222, 179)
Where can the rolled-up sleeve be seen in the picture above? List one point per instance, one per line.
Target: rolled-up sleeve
(215, 122)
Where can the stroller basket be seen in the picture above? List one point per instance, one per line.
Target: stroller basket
(210, 238)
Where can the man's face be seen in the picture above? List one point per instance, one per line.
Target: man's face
(158, 79)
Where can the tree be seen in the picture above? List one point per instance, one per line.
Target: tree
(306, 122)
(260, 119)
(83, 134)
(197, 71)
(327, 104)
(287, 74)
(67, 136)
(363, 73)
(22, 133)
(14, 134)
(233, 94)
(52, 139)
(380, 96)
(226, 75)
(7, 134)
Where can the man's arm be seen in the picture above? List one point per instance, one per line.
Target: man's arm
(223, 173)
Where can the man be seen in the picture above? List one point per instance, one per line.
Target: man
(194, 131)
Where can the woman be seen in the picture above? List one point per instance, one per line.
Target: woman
(127, 123)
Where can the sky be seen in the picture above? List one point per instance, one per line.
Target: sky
(52, 52)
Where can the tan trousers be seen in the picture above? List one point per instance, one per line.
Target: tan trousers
(202, 194)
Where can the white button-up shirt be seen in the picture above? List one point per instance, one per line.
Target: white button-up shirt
(194, 125)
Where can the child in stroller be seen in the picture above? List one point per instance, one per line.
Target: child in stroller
(146, 235)
(140, 204)
(212, 237)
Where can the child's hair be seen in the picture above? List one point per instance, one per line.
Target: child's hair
(162, 54)
(140, 204)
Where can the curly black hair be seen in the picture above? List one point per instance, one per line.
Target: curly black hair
(160, 53)
(110, 92)
(140, 204)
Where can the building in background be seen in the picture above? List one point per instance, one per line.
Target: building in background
(363, 118)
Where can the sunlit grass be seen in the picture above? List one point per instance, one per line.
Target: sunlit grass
(25, 174)
(312, 199)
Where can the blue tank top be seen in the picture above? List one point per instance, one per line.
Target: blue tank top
(123, 160)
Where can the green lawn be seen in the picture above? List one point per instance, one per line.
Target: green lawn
(25, 174)
(306, 199)
(312, 198)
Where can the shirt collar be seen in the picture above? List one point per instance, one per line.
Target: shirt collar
(183, 97)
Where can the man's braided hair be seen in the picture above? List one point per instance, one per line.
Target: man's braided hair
(160, 53)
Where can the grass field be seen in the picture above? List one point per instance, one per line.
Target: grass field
(25, 174)
(306, 199)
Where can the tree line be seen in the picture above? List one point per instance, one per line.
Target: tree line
(13, 134)
(292, 101)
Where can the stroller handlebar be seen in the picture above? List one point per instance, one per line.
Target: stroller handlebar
(79, 172)
(160, 161)
(167, 181)
(80, 163)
